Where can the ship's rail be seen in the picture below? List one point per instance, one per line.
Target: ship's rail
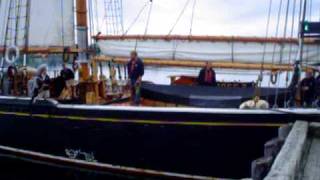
(298, 111)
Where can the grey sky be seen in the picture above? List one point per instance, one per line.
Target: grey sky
(212, 17)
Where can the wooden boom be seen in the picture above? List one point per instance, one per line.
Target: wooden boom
(190, 63)
(47, 50)
(205, 38)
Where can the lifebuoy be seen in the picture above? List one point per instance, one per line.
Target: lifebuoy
(12, 54)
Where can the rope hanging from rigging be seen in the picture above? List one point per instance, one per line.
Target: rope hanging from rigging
(281, 50)
(274, 46)
(136, 18)
(62, 22)
(148, 18)
(290, 47)
(276, 35)
(179, 17)
(192, 16)
(260, 76)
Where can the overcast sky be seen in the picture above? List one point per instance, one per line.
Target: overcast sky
(211, 17)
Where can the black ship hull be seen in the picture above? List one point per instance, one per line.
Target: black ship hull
(207, 142)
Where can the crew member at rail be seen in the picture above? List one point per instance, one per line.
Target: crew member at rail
(135, 72)
(207, 76)
(308, 89)
(41, 83)
(68, 77)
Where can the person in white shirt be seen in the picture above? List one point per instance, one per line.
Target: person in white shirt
(255, 103)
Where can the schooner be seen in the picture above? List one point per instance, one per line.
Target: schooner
(93, 135)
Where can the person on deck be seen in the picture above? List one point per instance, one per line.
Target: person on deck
(68, 77)
(308, 89)
(294, 84)
(207, 76)
(41, 83)
(135, 72)
(255, 103)
(67, 74)
(11, 73)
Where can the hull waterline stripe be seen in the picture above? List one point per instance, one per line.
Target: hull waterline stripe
(153, 122)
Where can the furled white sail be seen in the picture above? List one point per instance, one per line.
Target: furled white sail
(51, 23)
(244, 52)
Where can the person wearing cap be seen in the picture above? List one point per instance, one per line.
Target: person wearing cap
(207, 76)
(135, 69)
(308, 85)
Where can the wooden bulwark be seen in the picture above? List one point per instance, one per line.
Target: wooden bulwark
(190, 63)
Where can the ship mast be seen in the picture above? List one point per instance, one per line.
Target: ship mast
(82, 35)
(82, 29)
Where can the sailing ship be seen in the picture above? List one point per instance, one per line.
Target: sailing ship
(136, 141)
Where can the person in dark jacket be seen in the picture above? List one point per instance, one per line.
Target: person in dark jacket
(68, 77)
(135, 68)
(294, 84)
(207, 76)
(66, 73)
(308, 85)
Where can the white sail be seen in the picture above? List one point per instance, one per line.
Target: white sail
(244, 52)
(51, 23)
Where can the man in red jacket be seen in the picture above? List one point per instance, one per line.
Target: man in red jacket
(207, 76)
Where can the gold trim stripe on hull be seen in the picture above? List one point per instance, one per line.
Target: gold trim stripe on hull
(151, 122)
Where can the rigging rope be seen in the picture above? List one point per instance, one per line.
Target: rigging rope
(281, 51)
(307, 47)
(18, 11)
(192, 16)
(136, 18)
(91, 22)
(274, 46)
(179, 17)
(62, 22)
(148, 19)
(260, 77)
(290, 47)
(277, 30)
(97, 16)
